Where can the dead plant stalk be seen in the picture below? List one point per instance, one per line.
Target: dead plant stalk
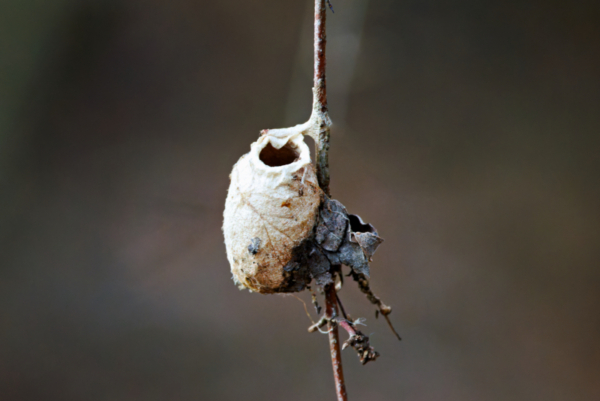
(322, 127)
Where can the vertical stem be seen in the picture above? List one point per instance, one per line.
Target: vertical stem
(334, 343)
(322, 145)
(320, 96)
(320, 48)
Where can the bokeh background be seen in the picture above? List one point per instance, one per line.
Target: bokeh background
(466, 131)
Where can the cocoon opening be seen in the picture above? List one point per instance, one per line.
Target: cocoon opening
(274, 157)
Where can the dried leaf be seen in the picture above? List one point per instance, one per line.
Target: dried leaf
(334, 220)
(369, 242)
(344, 238)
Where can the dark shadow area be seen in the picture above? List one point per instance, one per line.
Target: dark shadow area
(273, 157)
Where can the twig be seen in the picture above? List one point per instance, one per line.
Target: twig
(334, 343)
(358, 341)
(320, 97)
(305, 309)
(321, 136)
(385, 310)
(317, 326)
(313, 299)
(339, 301)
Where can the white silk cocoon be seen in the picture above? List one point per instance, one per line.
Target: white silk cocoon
(270, 210)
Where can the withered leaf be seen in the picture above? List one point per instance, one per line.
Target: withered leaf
(369, 242)
(318, 266)
(333, 220)
(339, 239)
(344, 238)
(351, 255)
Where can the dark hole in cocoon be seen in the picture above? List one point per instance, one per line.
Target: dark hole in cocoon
(279, 157)
(357, 226)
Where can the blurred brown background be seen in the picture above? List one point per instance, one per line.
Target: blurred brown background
(466, 131)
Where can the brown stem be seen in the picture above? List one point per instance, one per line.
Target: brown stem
(334, 343)
(320, 97)
(320, 44)
(322, 145)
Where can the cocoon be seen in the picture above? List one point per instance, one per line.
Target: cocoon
(270, 213)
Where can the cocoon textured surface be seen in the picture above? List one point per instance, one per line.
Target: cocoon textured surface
(272, 207)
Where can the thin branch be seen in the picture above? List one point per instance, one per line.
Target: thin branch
(320, 48)
(334, 343)
(305, 309)
(385, 310)
(320, 111)
(339, 301)
(317, 326)
(358, 341)
(321, 136)
(313, 299)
